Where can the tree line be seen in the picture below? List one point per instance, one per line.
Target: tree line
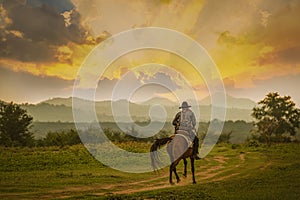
(276, 119)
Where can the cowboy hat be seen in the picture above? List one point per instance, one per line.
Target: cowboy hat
(184, 105)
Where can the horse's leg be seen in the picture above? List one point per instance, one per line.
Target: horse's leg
(185, 164)
(173, 169)
(177, 177)
(170, 176)
(193, 169)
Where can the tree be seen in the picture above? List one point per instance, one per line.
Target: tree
(14, 125)
(276, 115)
(224, 137)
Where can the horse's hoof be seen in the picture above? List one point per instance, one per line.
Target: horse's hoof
(172, 183)
(178, 180)
(194, 182)
(184, 175)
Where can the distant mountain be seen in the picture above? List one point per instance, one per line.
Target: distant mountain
(45, 112)
(149, 102)
(59, 101)
(60, 109)
(232, 102)
(160, 101)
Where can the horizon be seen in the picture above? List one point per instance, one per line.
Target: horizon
(137, 102)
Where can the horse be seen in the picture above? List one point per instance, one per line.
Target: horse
(179, 148)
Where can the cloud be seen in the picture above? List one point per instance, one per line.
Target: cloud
(41, 30)
(282, 33)
(24, 87)
(120, 15)
(228, 83)
(285, 85)
(161, 78)
(59, 5)
(139, 85)
(44, 38)
(136, 87)
(261, 49)
(226, 38)
(289, 56)
(248, 40)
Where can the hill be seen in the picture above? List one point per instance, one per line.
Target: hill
(159, 101)
(59, 101)
(60, 109)
(232, 102)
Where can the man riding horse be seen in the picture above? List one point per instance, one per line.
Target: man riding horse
(185, 121)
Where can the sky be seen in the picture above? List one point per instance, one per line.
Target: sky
(255, 45)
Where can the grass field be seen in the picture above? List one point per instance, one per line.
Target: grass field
(226, 173)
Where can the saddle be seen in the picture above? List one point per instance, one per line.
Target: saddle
(186, 136)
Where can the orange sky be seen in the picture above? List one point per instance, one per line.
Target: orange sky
(255, 44)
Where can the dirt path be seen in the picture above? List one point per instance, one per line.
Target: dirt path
(206, 173)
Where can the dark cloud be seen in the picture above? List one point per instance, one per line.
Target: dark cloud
(40, 30)
(59, 5)
(25, 50)
(24, 87)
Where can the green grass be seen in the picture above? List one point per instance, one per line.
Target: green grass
(36, 171)
(226, 173)
(277, 178)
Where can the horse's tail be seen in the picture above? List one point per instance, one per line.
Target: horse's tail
(154, 155)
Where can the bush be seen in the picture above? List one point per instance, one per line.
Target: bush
(60, 139)
(252, 143)
(235, 146)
